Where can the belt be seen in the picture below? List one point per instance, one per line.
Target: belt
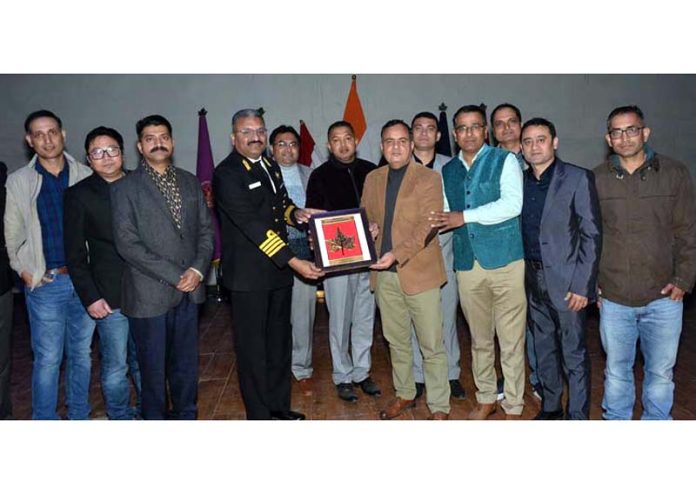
(55, 271)
(538, 265)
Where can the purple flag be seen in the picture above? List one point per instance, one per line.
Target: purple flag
(204, 171)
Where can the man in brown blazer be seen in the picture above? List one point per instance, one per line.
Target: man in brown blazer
(410, 271)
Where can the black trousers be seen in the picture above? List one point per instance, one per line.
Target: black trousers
(560, 345)
(167, 349)
(263, 344)
(6, 308)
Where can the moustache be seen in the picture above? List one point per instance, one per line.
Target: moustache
(159, 148)
(255, 142)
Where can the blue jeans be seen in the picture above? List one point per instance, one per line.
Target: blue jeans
(658, 326)
(113, 344)
(59, 323)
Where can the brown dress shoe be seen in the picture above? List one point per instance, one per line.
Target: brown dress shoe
(510, 416)
(396, 408)
(482, 411)
(306, 386)
(439, 416)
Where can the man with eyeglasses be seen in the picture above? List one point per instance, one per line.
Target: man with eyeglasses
(562, 236)
(410, 270)
(96, 268)
(483, 185)
(258, 265)
(338, 184)
(34, 238)
(648, 263)
(285, 144)
(506, 121)
(163, 231)
(425, 138)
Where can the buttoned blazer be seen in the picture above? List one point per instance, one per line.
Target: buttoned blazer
(156, 252)
(414, 243)
(571, 234)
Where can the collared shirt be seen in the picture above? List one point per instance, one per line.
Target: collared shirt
(535, 191)
(427, 165)
(166, 183)
(509, 205)
(520, 157)
(49, 205)
(259, 161)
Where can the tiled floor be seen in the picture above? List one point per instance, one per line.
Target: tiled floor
(219, 396)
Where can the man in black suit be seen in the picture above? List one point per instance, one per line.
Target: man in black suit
(561, 231)
(163, 231)
(96, 268)
(6, 308)
(257, 266)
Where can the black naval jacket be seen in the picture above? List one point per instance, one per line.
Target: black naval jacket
(255, 251)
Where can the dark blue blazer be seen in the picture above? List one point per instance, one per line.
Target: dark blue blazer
(571, 234)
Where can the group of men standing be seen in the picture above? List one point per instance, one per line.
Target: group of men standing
(125, 252)
(523, 240)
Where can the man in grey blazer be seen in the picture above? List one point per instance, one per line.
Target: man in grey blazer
(162, 229)
(562, 236)
(285, 144)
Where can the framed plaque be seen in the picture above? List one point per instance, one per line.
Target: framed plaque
(342, 240)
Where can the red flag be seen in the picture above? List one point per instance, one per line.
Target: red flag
(354, 112)
(306, 145)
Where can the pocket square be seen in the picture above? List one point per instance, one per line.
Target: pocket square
(254, 185)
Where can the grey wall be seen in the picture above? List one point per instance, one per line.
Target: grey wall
(577, 104)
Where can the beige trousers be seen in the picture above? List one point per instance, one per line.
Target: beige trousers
(494, 304)
(398, 310)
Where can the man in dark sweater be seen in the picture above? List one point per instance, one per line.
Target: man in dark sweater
(335, 185)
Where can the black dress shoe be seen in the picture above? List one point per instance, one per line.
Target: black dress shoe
(369, 387)
(346, 392)
(557, 415)
(456, 390)
(420, 387)
(287, 415)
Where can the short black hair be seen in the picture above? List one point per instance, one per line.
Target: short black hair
(394, 123)
(41, 114)
(283, 129)
(480, 109)
(103, 131)
(425, 114)
(336, 125)
(506, 105)
(540, 122)
(152, 120)
(622, 110)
